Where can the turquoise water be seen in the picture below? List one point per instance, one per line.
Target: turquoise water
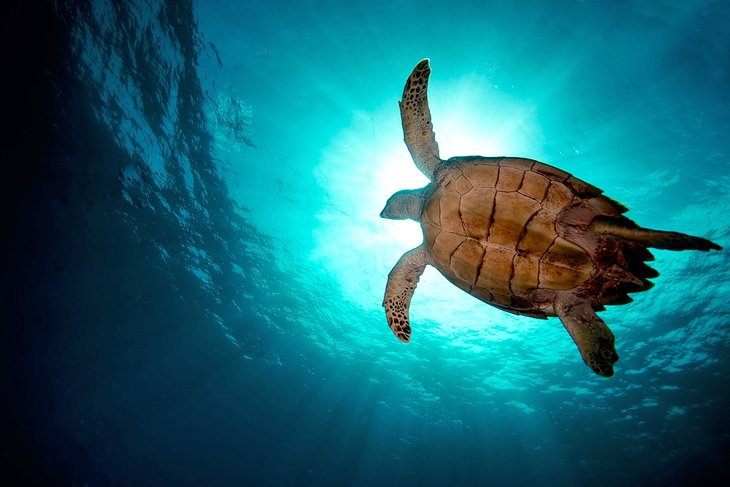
(197, 264)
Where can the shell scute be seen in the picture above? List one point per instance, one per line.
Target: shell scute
(568, 254)
(518, 163)
(432, 212)
(581, 188)
(482, 294)
(449, 210)
(445, 243)
(564, 266)
(512, 211)
(466, 260)
(462, 185)
(476, 210)
(558, 197)
(525, 274)
(539, 235)
(552, 173)
(496, 270)
(510, 178)
(481, 176)
(502, 299)
(534, 185)
(557, 277)
(430, 232)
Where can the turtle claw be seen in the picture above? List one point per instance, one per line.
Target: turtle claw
(602, 362)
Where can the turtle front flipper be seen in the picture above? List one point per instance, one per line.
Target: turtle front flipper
(416, 118)
(402, 282)
(594, 339)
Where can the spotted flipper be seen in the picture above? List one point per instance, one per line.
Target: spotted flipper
(416, 118)
(594, 339)
(402, 281)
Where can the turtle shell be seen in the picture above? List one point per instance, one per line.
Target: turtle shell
(490, 226)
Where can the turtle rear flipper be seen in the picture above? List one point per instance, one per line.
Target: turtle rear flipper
(657, 239)
(593, 337)
(416, 118)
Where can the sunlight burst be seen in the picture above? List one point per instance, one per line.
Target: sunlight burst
(367, 162)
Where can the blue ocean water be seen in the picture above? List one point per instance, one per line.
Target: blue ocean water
(195, 263)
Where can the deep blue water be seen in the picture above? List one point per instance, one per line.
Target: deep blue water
(194, 261)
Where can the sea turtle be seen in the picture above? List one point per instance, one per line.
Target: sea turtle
(523, 236)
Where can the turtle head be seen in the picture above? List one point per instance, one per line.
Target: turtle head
(404, 204)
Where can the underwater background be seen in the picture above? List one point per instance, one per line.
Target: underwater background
(194, 261)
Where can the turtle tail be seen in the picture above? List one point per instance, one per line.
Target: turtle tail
(628, 230)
